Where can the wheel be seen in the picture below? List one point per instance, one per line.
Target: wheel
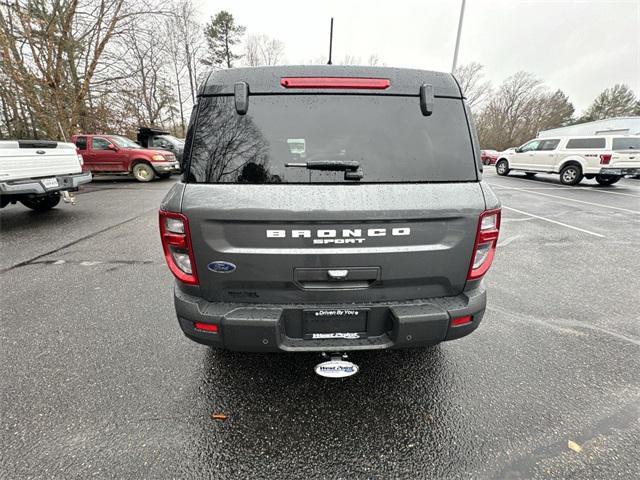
(530, 174)
(571, 175)
(42, 204)
(502, 168)
(606, 179)
(143, 172)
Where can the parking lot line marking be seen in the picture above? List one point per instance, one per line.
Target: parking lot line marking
(593, 188)
(636, 212)
(554, 221)
(561, 324)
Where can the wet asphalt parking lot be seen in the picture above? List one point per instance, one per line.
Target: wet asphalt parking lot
(98, 380)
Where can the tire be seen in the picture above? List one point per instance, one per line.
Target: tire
(571, 174)
(530, 174)
(42, 204)
(606, 180)
(143, 172)
(502, 168)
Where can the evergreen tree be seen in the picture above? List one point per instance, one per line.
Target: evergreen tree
(617, 101)
(222, 34)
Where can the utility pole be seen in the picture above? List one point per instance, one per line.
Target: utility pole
(455, 55)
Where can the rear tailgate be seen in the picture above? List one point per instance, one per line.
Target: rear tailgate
(33, 159)
(625, 159)
(396, 242)
(402, 228)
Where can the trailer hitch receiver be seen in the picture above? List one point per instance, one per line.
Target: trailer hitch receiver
(336, 365)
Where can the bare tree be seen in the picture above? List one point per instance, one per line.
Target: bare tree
(263, 50)
(190, 36)
(509, 115)
(472, 83)
(57, 56)
(350, 60)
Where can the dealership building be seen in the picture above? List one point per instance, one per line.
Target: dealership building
(609, 126)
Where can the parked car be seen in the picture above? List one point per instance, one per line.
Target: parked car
(488, 157)
(607, 158)
(344, 212)
(160, 140)
(114, 154)
(37, 173)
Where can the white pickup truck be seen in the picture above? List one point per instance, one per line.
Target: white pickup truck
(37, 173)
(607, 158)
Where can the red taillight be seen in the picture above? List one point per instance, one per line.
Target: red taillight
(605, 158)
(456, 322)
(207, 327)
(485, 246)
(176, 242)
(335, 82)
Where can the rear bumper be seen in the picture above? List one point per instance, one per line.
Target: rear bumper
(36, 187)
(619, 171)
(274, 328)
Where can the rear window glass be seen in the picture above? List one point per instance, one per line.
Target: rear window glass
(387, 135)
(586, 143)
(626, 143)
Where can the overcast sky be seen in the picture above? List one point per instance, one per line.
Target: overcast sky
(581, 47)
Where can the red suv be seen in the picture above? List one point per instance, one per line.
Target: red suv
(116, 154)
(488, 157)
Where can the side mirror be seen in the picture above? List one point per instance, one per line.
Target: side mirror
(517, 150)
(111, 146)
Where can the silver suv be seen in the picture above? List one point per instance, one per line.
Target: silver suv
(329, 208)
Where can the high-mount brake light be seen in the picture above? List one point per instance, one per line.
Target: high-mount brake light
(336, 82)
(484, 248)
(605, 158)
(176, 243)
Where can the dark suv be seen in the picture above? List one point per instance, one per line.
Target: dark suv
(329, 208)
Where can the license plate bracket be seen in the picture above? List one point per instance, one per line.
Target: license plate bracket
(50, 183)
(333, 323)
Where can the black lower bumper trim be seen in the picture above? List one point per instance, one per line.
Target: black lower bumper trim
(263, 327)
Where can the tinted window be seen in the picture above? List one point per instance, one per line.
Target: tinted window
(586, 143)
(547, 145)
(161, 142)
(81, 143)
(100, 143)
(530, 146)
(388, 136)
(626, 143)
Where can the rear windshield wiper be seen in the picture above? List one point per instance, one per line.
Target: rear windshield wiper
(351, 168)
(331, 165)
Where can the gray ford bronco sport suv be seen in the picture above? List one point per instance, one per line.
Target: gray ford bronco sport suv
(329, 209)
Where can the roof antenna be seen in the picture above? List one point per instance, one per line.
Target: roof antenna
(330, 41)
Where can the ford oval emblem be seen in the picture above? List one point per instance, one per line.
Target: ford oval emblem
(40, 152)
(222, 267)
